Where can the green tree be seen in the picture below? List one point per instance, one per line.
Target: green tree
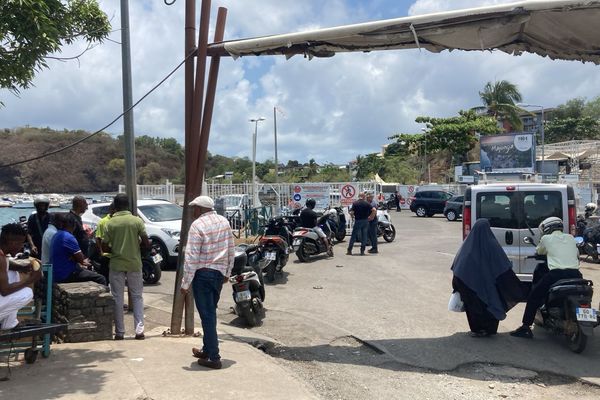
(31, 30)
(369, 165)
(500, 99)
(561, 130)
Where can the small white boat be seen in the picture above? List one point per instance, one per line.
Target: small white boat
(23, 204)
(6, 203)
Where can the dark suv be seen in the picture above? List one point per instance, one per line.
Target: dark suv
(454, 207)
(429, 202)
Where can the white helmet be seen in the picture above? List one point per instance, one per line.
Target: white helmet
(591, 207)
(40, 199)
(550, 225)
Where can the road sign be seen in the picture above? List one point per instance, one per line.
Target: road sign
(348, 194)
(297, 197)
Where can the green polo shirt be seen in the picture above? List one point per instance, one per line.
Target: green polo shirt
(122, 233)
(101, 229)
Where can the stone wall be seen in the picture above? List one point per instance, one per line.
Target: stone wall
(88, 309)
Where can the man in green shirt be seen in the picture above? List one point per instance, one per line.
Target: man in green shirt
(100, 233)
(121, 239)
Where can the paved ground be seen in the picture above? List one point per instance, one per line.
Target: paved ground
(352, 326)
(372, 327)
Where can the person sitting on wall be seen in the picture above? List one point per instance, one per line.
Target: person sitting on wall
(67, 258)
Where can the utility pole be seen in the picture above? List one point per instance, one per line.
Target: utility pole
(275, 133)
(254, 194)
(128, 132)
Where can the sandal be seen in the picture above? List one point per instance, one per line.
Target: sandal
(199, 354)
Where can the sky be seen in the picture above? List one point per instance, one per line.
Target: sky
(332, 109)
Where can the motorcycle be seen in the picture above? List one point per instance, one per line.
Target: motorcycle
(385, 228)
(567, 309)
(247, 284)
(337, 223)
(307, 243)
(152, 261)
(586, 239)
(274, 246)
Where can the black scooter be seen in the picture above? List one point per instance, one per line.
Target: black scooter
(247, 283)
(568, 308)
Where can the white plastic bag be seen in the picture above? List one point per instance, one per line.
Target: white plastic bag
(456, 304)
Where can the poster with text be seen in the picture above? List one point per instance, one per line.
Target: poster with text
(319, 192)
(508, 153)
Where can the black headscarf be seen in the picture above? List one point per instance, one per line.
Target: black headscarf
(483, 267)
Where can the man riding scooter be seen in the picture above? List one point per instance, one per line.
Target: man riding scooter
(309, 218)
(563, 263)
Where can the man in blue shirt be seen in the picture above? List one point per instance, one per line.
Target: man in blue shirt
(67, 259)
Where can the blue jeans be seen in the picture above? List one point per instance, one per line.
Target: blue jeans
(207, 285)
(362, 226)
(373, 233)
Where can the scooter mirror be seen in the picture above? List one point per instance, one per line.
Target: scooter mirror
(528, 240)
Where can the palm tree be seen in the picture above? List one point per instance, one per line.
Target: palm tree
(500, 99)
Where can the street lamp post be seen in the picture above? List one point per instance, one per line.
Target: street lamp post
(426, 160)
(254, 194)
(541, 130)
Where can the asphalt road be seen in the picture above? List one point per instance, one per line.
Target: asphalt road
(374, 325)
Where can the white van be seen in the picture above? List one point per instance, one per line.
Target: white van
(515, 211)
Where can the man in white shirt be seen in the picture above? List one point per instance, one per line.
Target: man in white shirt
(54, 224)
(209, 257)
(563, 263)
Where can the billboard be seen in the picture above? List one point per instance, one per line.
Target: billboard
(508, 153)
(304, 191)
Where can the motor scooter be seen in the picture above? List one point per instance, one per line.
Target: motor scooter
(247, 284)
(307, 242)
(568, 307)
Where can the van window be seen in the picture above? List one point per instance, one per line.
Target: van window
(540, 205)
(499, 208)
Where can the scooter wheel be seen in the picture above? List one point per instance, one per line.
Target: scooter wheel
(577, 340)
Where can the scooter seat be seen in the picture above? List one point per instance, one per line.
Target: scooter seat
(570, 287)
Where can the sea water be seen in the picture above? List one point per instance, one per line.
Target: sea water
(8, 215)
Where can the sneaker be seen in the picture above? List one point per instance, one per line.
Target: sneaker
(373, 251)
(348, 252)
(140, 336)
(205, 362)
(522, 332)
(119, 337)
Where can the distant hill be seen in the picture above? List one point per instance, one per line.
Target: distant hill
(93, 166)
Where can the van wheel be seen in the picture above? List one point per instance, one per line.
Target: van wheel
(451, 215)
(421, 211)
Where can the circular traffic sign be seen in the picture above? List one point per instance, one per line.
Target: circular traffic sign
(348, 191)
(411, 189)
(297, 197)
(297, 189)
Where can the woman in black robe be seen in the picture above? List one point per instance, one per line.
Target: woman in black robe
(484, 278)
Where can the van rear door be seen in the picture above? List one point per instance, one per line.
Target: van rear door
(501, 208)
(538, 204)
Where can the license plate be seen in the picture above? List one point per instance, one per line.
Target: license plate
(587, 314)
(270, 255)
(242, 296)
(157, 258)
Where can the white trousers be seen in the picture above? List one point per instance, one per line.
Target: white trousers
(11, 304)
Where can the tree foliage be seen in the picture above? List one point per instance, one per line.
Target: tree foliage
(574, 120)
(500, 99)
(32, 30)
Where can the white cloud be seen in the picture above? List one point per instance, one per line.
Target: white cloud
(334, 108)
(432, 6)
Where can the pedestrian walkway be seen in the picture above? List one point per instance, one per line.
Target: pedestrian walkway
(153, 369)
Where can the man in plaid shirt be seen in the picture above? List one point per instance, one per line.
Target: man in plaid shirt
(209, 256)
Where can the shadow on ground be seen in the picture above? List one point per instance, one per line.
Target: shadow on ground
(65, 372)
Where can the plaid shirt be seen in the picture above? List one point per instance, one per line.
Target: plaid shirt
(209, 245)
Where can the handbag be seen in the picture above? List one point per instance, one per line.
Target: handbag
(455, 303)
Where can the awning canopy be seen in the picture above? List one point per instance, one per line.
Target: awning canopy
(559, 29)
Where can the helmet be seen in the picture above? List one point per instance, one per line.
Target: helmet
(590, 208)
(550, 225)
(311, 203)
(41, 200)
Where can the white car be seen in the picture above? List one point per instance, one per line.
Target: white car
(162, 220)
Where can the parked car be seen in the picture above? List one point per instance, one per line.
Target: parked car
(426, 203)
(453, 208)
(162, 220)
(515, 211)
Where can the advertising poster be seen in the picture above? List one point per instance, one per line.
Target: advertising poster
(508, 153)
(318, 192)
